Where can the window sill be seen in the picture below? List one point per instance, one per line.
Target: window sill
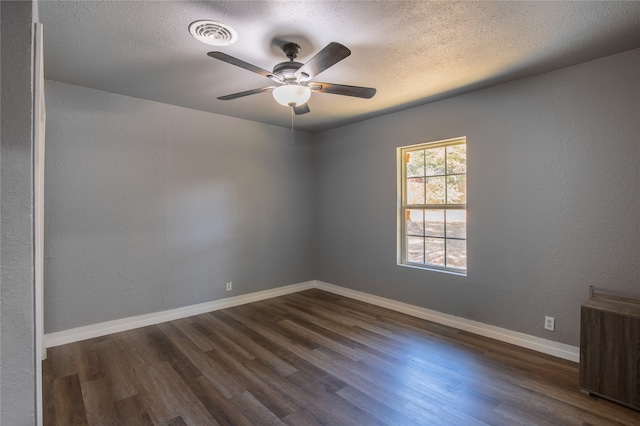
(434, 269)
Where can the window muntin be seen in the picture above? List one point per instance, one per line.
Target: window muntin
(433, 230)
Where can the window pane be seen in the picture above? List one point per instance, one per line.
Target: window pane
(415, 165)
(435, 190)
(456, 189)
(456, 224)
(457, 254)
(415, 191)
(457, 159)
(433, 203)
(434, 159)
(434, 223)
(434, 251)
(415, 249)
(415, 222)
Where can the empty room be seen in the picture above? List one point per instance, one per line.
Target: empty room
(320, 213)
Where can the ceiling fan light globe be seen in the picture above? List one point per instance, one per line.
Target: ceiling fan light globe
(291, 95)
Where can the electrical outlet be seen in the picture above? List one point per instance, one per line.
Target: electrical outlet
(549, 323)
(229, 285)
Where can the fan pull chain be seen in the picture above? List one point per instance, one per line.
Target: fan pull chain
(292, 126)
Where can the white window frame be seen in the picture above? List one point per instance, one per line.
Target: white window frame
(403, 206)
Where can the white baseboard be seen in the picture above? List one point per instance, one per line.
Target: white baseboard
(549, 347)
(538, 344)
(124, 324)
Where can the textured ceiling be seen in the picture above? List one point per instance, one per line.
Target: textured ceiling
(413, 52)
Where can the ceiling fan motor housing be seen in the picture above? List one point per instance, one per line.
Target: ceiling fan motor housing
(287, 70)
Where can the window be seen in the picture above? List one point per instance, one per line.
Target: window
(433, 205)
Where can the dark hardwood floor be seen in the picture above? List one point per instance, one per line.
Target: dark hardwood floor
(312, 358)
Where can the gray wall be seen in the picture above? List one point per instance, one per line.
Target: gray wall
(553, 198)
(17, 324)
(151, 207)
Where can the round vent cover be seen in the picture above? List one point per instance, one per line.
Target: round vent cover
(213, 33)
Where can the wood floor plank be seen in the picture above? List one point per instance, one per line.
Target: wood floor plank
(312, 358)
(171, 397)
(328, 405)
(301, 418)
(100, 408)
(219, 407)
(48, 396)
(254, 410)
(201, 364)
(178, 421)
(118, 361)
(269, 396)
(297, 387)
(280, 338)
(381, 412)
(353, 375)
(67, 394)
(65, 369)
(223, 335)
(320, 339)
(253, 343)
(132, 412)
(198, 338)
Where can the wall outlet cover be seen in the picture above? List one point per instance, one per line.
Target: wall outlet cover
(549, 323)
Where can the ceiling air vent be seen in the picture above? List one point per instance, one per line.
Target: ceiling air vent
(213, 33)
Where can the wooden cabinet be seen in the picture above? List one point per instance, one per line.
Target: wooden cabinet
(610, 348)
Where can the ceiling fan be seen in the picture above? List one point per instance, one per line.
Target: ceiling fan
(294, 80)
